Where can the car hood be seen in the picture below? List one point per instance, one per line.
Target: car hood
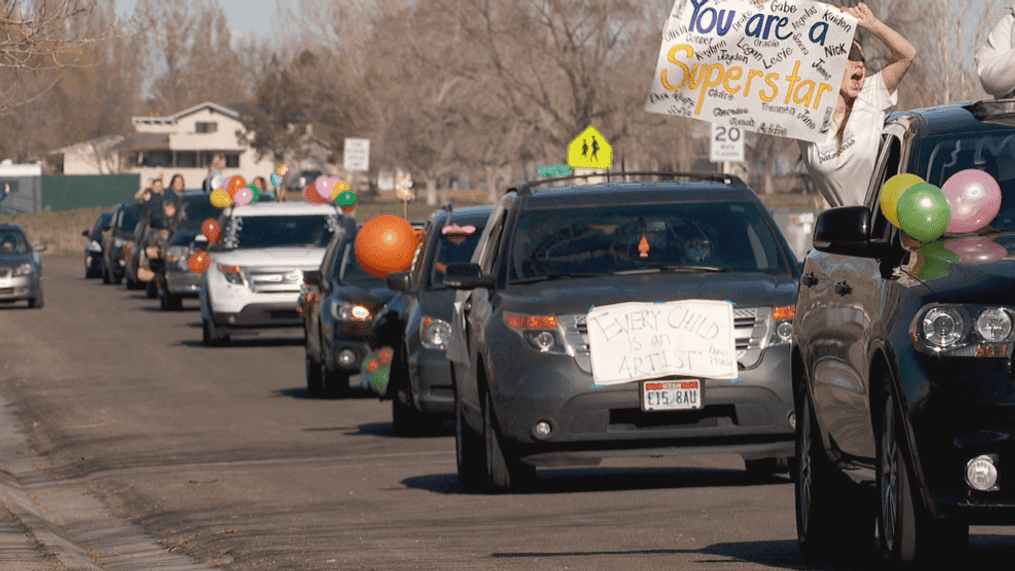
(978, 263)
(11, 261)
(304, 258)
(578, 295)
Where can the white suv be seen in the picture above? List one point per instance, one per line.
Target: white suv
(257, 267)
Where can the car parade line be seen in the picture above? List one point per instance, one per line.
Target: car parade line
(43, 511)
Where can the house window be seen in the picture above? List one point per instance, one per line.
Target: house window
(206, 127)
(156, 159)
(232, 160)
(186, 159)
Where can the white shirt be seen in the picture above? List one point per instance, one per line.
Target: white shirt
(995, 60)
(842, 174)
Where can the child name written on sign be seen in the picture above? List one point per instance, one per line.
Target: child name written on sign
(632, 341)
(771, 68)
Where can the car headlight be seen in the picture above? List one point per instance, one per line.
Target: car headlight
(541, 332)
(233, 274)
(25, 269)
(434, 333)
(963, 330)
(345, 311)
(782, 325)
(94, 246)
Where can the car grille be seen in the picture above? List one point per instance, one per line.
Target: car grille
(274, 280)
(751, 330)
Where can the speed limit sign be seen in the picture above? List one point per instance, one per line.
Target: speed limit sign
(727, 144)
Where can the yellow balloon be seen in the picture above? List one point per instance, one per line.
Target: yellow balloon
(892, 191)
(343, 186)
(220, 198)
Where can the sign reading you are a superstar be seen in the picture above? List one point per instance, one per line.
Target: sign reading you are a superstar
(773, 67)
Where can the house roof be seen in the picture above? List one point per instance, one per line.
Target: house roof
(144, 142)
(234, 110)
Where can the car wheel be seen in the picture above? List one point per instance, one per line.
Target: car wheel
(504, 473)
(36, 302)
(170, 302)
(212, 336)
(906, 533)
(151, 289)
(334, 384)
(469, 450)
(834, 516)
(765, 467)
(106, 278)
(407, 420)
(315, 386)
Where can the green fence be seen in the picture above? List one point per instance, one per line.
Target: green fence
(66, 192)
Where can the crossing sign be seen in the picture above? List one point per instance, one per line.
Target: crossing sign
(590, 150)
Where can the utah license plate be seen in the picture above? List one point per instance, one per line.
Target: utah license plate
(671, 395)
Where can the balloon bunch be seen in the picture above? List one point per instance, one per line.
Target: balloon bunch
(376, 370)
(385, 244)
(327, 189)
(967, 202)
(235, 191)
(278, 175)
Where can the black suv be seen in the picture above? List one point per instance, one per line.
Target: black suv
(119, 241)
(618, 319)
(901, 367)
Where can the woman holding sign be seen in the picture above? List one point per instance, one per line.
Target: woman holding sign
(842, 165)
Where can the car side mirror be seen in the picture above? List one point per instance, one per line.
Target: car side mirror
(86, 233)
(312, 277)
(465, 276)
(400, 281)
(844, 230)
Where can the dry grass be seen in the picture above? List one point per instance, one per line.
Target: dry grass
(61, 231)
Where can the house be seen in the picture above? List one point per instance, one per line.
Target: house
(185, 143)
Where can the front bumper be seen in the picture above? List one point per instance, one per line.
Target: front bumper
(433, 389)
(20, 287)
(260, 316)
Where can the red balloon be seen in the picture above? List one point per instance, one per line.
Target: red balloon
(211, 230)
(199, 262)
(310, 195)
(385, 244)
(236, 183)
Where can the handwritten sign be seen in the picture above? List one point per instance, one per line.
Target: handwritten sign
(772, 68)
(635, 341)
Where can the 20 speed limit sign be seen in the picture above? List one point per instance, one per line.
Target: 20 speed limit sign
(727, 144)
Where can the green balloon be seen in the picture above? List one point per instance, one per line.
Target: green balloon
(924, 212)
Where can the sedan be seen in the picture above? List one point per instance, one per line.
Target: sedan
(20, 267)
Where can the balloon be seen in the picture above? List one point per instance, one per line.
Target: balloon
(282, 170)
(975, 199)
(199, 262)
(892, 191)
(325, 185)
(256, 192)
(211, 230)
(976, 250)
(385, 244)
(243, 196)
(235, 184)
(276, 180)
(224, 185)
(346, 201)
(220, 198)
(923, 212)
(310, 195)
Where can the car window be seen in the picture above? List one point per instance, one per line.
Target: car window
(182, 238)
(129, 218)
(722, 236)
(314, 231)
(196, 209)
(13, 242)
(350, 272)
(992, 152)
(452, 248)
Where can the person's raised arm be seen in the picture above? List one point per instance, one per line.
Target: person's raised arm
(903, 52)
(995, 60)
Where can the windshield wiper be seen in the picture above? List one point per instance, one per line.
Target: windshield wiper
(550, 277)
(672, 269)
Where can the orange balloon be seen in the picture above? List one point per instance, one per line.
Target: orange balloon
(211, 230)
(236, 183)
(199, 262)
(385, 244)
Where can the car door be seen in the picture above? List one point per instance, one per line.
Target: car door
(852, 290)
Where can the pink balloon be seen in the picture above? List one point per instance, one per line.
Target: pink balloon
(976, 250)
(324, 186)
(975, 199)
(243, 196)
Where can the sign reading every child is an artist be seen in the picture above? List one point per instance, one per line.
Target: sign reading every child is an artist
(771, 67)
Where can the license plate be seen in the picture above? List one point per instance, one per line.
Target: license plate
(671, 395)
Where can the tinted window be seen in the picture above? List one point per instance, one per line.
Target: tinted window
(452, 248)
(732, 236)
(13, 242)
(129, 219)
(194, 211)
(350, 272)
(182, 238)
(993, 152)
(269, 231)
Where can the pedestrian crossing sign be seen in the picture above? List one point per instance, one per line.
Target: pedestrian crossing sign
(590, 150)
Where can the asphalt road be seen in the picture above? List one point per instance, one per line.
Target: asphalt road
(128, 445)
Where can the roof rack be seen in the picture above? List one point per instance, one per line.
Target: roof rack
(525, 187)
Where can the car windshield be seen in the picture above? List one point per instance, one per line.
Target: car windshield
(992, 152)
(13, 242)
(644, 238)
(348, 271)
(195, 210)
(309, 231)
(453, 248)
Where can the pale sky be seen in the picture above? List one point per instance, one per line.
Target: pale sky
(256, 17)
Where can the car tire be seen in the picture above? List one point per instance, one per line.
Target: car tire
(906, 533)
(334, 384)
(36, 302)
(315, 385)
(469, 451)
(504, 472)
(213, 336)
(766, 467)
(834, 516)
(151, 289)
(406, 419)
(106, 278)
(168, 301)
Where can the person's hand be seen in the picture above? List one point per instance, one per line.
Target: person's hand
(864, 17)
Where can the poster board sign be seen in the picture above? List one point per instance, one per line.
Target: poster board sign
(772, 67)
(356, 155)
(636, 340)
